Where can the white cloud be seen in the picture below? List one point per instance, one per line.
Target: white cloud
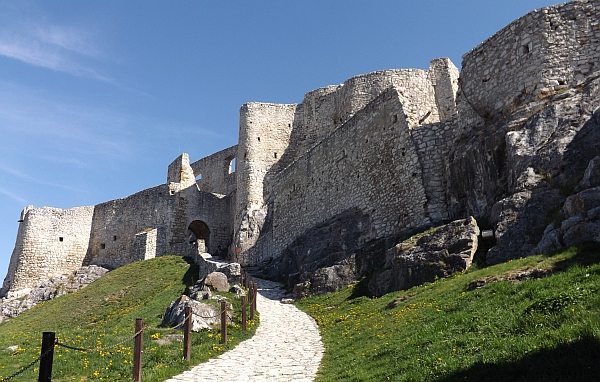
(13, 196)
(38, 54)
(58, 128)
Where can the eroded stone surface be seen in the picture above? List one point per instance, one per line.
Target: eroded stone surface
(434, 254)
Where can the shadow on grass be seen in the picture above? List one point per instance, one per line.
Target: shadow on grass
(361, 289)
(587, 254)
(576, 361)
(191, 275)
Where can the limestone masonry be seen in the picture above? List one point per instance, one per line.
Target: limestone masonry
(340, 178)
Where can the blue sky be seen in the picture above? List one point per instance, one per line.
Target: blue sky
(98, 97)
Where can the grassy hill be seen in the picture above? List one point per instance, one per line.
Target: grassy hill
(533, 319)
(101, 315)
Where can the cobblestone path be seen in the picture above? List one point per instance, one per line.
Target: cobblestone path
(286, 347)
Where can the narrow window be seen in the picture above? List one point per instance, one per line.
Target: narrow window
(274, 155)
(61, 238)
(394, 118)
(231, 169)
(102, 246)
(114, 238)
(198, 178)
(258, 139)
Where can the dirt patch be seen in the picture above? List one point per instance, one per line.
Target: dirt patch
(517, 275)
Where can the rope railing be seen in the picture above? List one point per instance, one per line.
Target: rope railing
(49, 342)
(26, 367)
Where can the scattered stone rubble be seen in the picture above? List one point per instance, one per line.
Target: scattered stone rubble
(16, 302)
(216, 276)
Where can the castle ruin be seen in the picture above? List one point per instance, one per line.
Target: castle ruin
(372, 160)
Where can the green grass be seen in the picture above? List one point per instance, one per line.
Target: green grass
(104, 313)
(545, 329)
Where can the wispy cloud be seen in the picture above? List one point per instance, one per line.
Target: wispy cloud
(46, 56)
(17, 173)
(68, 38)
(29, 36)
(64, 130)
(13, 196)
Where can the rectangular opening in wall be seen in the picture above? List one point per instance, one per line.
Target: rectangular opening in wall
(231, 169)
(114, 238)
(61, 238)
(102, 246)
(274, 155)
(394, 118)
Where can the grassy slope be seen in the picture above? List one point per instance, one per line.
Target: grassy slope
(102, 314)
(542, 329)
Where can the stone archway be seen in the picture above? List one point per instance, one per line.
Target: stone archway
(199, 234)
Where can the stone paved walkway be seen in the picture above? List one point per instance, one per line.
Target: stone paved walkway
(286, 347)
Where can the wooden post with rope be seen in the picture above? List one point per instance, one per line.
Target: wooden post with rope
(250, 302)
(255, 292)
(137, 350)
(47, 356)
(223, 321)
(187, 333)
(244, 318)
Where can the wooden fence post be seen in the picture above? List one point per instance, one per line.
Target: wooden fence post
(187, 331)
(250, 302)
(255, 291)
(47, 353)
(137, 350)
(244, 318)
(223, 321)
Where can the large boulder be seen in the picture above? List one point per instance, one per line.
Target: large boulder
(327, 279)
(208, 264)
(217, 281)
(577, 223)
(425, 257)
(204, 316)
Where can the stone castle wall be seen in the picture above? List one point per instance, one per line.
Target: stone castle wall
(373, 151)
(216, 172)
(50, 242)
(264, 136)
(541, 53)
(368, 164)
(322, 111)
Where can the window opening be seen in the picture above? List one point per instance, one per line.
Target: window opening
(231, 169)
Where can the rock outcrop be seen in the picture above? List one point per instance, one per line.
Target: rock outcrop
(436, 253)
(19, 301)
(204, 315)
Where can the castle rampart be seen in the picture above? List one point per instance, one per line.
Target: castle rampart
(364, 160)
(216, 173)
(50, 242)
(539, 54)
(368, 164)
(264, 136)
